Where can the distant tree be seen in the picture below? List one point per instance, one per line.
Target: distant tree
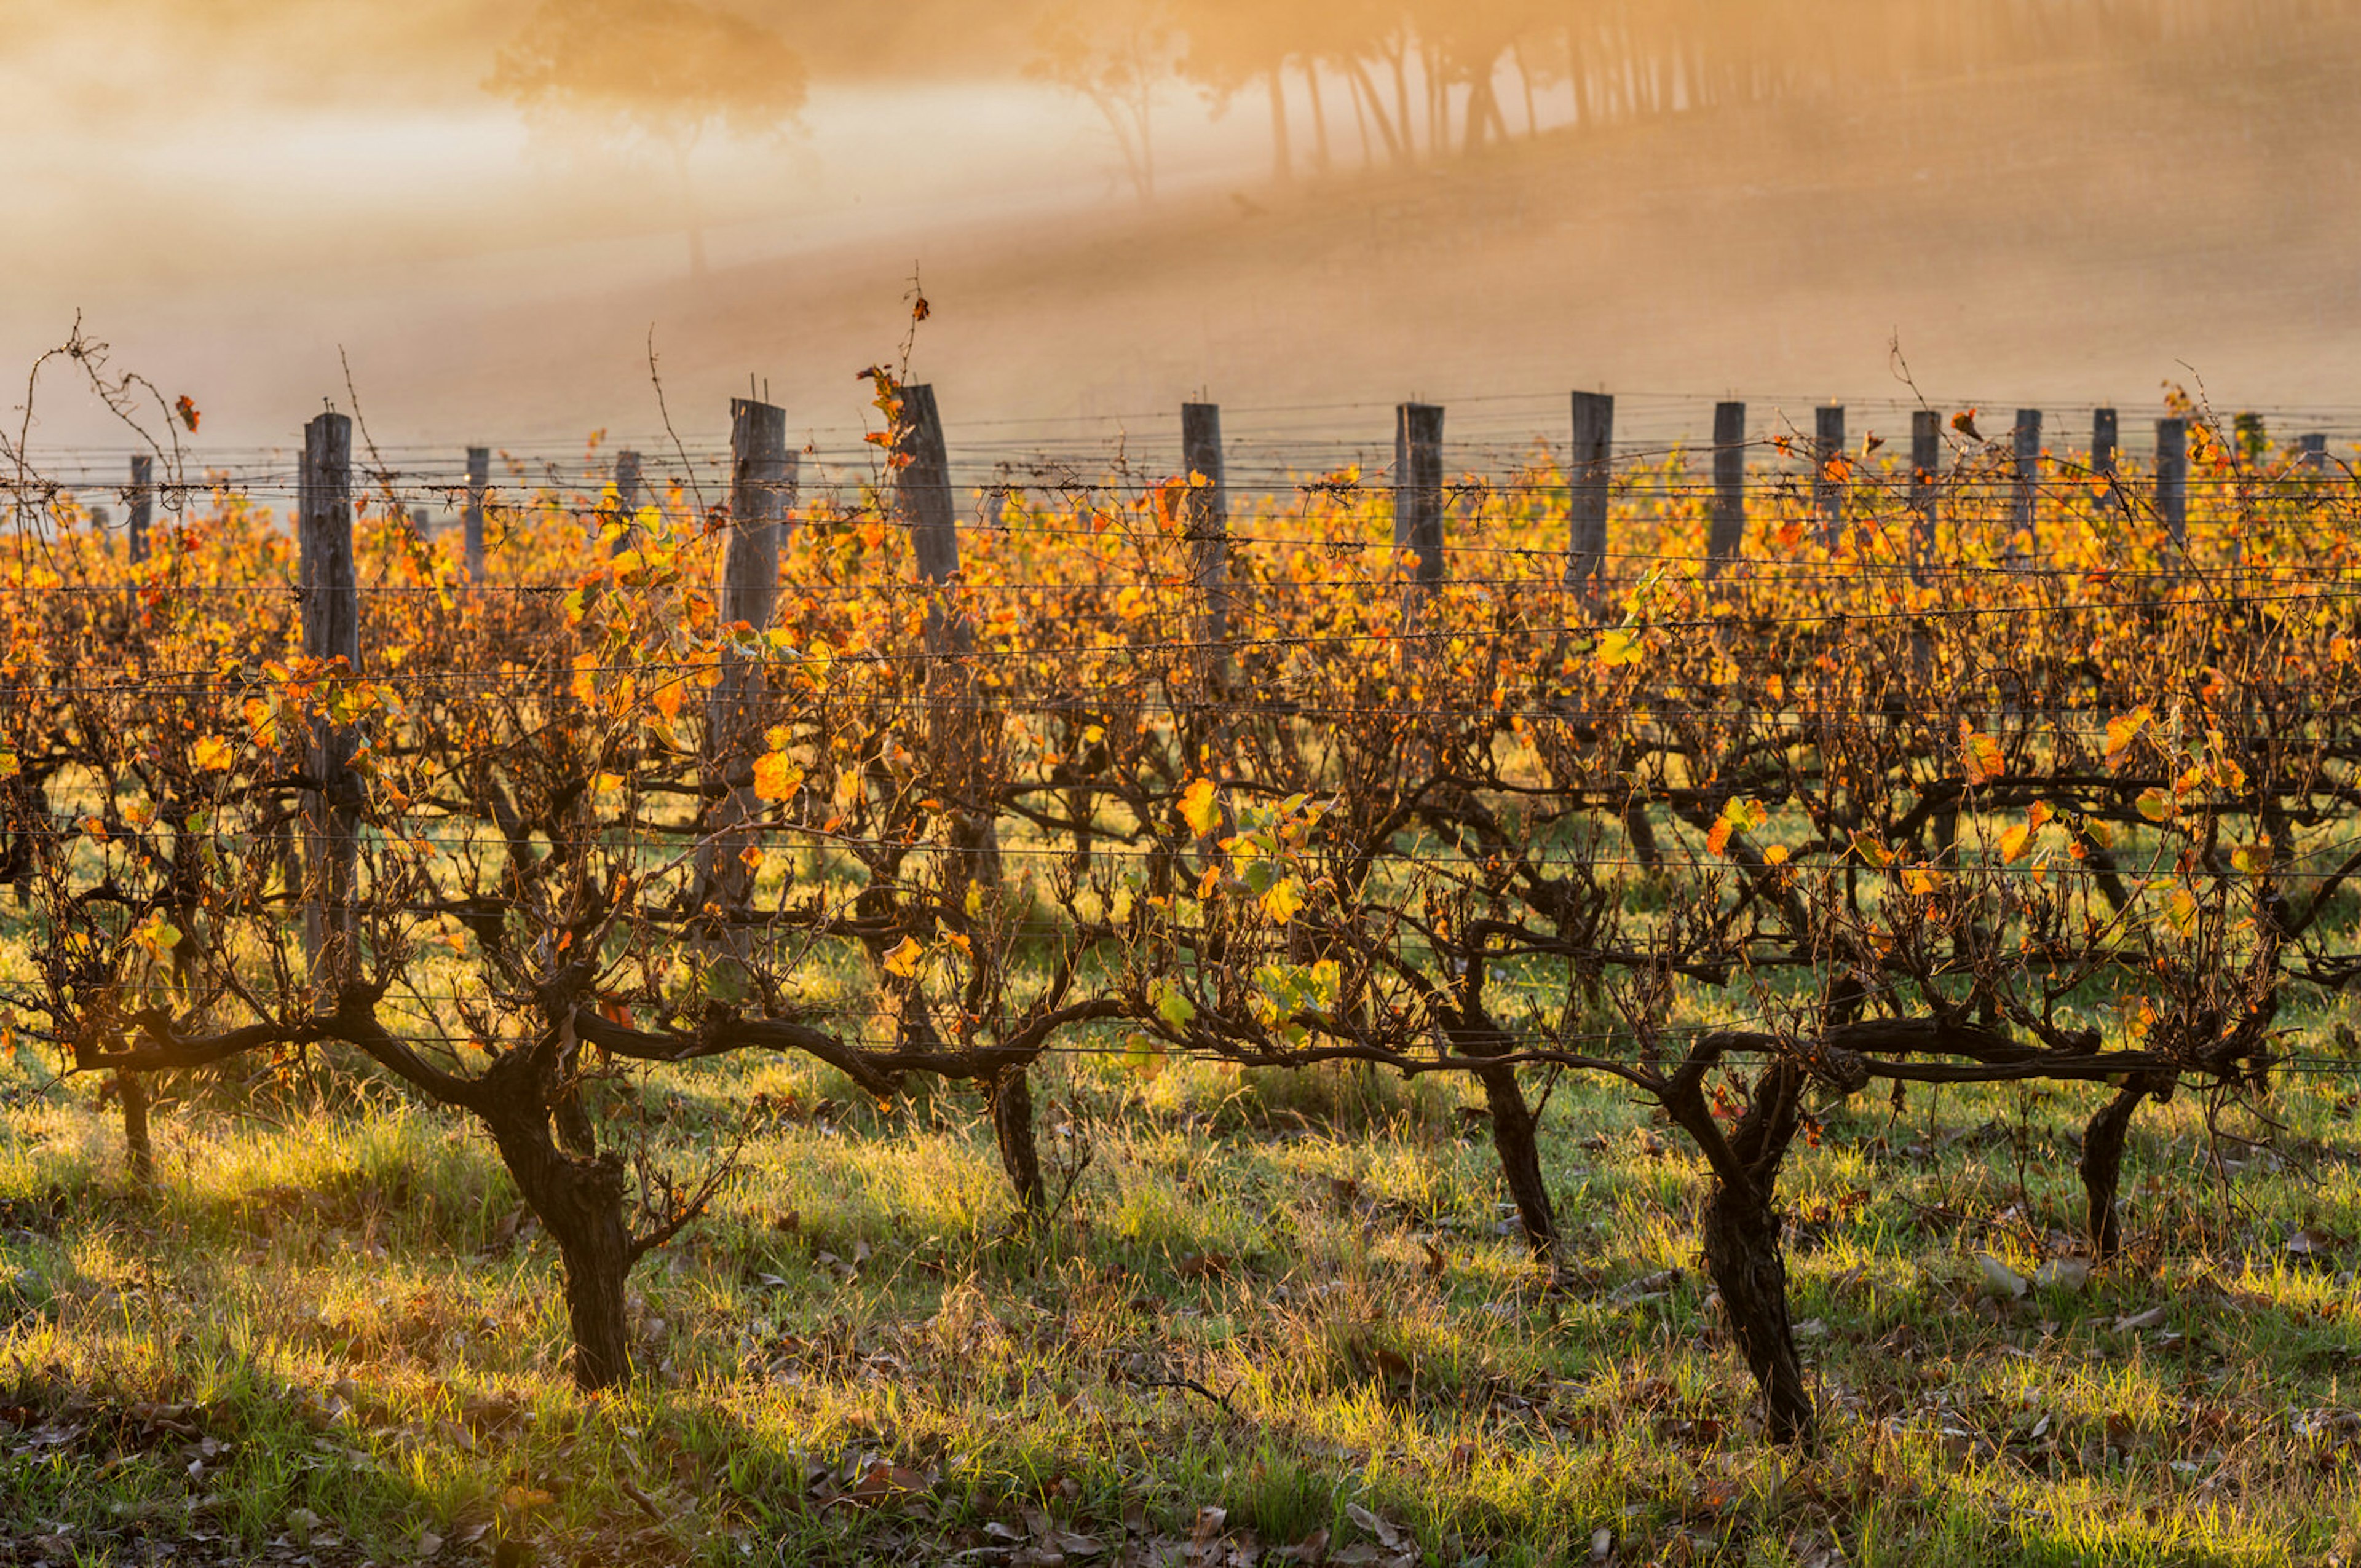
(663, 72)
(1234, 43)
(1118, 54)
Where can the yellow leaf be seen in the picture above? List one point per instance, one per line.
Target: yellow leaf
(1774, 854)
(2154, 804)
(776, 776)
(2254, 860)
(213, 754)
(1621, 646)
(2121, 731)
(1923, 880)
(1199, 808)
(2016, 842)
(751, 857)
(1717, 839)
(904, 960)
(1285, 897)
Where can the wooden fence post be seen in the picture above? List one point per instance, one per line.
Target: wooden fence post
(922, 498)
(957, 744)
(1829, 444)
(479, 478)
(2024, 476)
(1591, 470)
(627, 501)
(1726, 535)
(922, 495)
(2172, 478)
(762, 478)
(2105, 426)
(143, 501)
(1418, 487)
(2314, 450)
(1926, 471)
(332, 629)
(1209, 535)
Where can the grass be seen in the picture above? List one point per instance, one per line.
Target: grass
(333, 1333)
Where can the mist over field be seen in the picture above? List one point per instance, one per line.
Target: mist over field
(2049, 202)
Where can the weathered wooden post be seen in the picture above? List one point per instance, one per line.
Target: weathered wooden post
(1208, 523)
(143, 502)
(1591, 470)
(2172, 478)
(2313, 449)
(2105, 426)
(1926, 473)
(1417, 487)
(627, 501)
(332, 629)
(956, 741)
(1828, 490)
(1726, 535)
(479, 478)
(922, 497)
(762, 478)
(2024, 478)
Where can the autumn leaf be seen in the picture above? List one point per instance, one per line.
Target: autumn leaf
(2154, 804)
(262, 721)
(1872, 849)
(2018, 842)
(1200, 810)
(1923, 880)
(1740, 816)
(156, 936)
(1284, 898)
(904, 960)
(213, 754)
(186, 407)
(2122, 730)
(1621, 646)
(1981, 753)
(777, 777)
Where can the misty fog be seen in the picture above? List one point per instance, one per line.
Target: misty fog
(2130, 192)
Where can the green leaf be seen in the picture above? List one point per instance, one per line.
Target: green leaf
(1173, 1007)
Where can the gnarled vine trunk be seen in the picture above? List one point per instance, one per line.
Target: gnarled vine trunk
(1740, 1227)
(1513, 1128)
(1743, 1258)
(1009, 1095)
(580, 1200)
(2103, 1158)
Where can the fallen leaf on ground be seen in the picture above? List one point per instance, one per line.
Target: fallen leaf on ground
(2000, 1279)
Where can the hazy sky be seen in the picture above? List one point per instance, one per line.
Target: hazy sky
(231, 191)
